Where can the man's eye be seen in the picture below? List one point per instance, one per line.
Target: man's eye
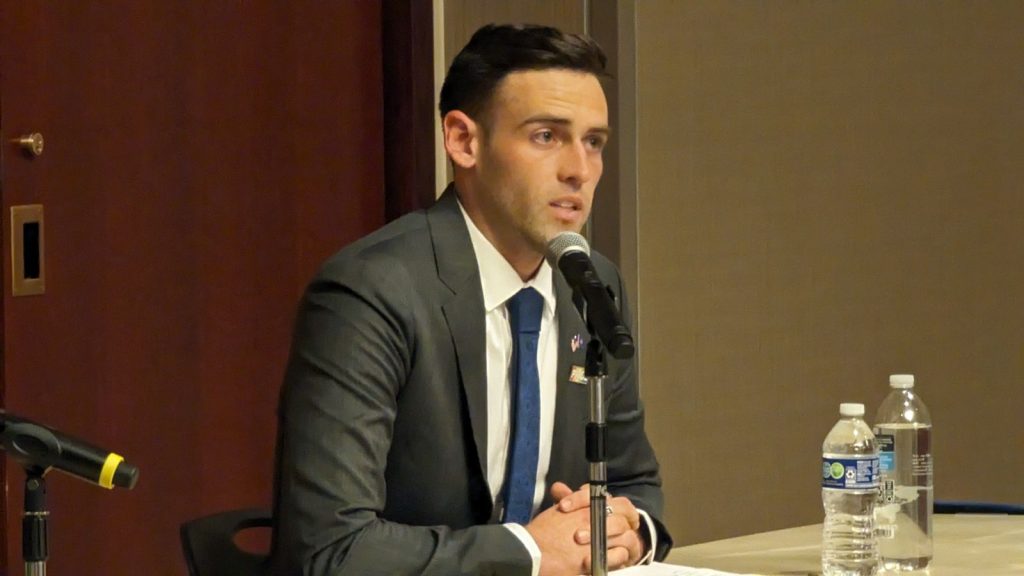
(544, 136)
(595, 142)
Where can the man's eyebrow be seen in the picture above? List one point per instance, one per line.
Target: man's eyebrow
(605, 130)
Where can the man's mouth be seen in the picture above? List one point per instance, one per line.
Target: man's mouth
(566, 209)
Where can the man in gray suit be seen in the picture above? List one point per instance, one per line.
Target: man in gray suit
(402, 419)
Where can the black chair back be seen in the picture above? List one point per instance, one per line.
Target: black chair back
(972, 507)
(209, 544)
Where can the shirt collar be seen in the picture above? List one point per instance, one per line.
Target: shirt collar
(498, 279)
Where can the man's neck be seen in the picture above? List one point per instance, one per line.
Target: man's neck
(523, 258)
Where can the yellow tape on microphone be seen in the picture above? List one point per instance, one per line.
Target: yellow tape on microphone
(107, 473)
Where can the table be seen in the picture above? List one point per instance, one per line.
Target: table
(965, 545)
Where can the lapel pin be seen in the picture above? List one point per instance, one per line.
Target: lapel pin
(578, 375)
(576, 342)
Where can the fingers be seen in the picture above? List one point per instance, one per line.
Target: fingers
(622, 506)
(570, 514)
(574, 500)
(559, 491)
(617, 558)
(615, 526)
(569, 501)
(620, 537)
(559, 554)
(631, 543)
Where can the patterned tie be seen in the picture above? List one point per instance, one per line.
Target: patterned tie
(524, 310)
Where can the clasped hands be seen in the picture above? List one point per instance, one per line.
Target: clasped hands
(562, 532)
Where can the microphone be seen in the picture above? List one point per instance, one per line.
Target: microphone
(35, 445)
(570, 253)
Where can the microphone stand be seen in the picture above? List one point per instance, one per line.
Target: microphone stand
(596, 372)
(34, 541)
(39, 449)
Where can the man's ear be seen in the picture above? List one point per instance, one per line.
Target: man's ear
(461, 138)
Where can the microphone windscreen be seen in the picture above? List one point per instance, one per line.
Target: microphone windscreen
(565, 242)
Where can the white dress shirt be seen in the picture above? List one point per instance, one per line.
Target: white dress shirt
(499, 282)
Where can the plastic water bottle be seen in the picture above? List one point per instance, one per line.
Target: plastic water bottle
(849, 488)
(903, 513)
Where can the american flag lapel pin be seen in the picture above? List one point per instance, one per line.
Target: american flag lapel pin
(576, 342)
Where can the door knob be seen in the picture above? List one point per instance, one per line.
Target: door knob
(31, 143)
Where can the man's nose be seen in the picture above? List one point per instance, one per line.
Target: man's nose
(575, 165)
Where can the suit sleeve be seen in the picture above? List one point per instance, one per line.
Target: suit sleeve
(632, 466)
(350, 356)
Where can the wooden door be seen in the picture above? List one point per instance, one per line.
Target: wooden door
(200, 160)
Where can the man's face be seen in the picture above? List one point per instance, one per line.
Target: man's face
(539, 158)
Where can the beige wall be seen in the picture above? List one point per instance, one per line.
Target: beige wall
(463, 17)
(828, 193)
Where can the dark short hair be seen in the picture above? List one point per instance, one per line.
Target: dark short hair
(496, 51)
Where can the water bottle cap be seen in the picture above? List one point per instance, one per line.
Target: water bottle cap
(901, 381)
(850, 409)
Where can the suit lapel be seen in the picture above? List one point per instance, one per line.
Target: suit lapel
(572, 403)
(463, 311)
(464, 314)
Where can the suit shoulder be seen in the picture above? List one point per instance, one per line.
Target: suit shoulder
(606, 269)
(392, 253)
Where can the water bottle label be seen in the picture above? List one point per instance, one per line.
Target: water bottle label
(887, 491)
(850, 473)
(886, 452)
(921, 465)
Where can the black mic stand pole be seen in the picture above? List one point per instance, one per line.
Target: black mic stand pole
(34, 546)
(596, 373)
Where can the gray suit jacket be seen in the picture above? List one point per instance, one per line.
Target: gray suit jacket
(382, 447)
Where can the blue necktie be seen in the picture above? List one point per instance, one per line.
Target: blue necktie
(524, 311)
